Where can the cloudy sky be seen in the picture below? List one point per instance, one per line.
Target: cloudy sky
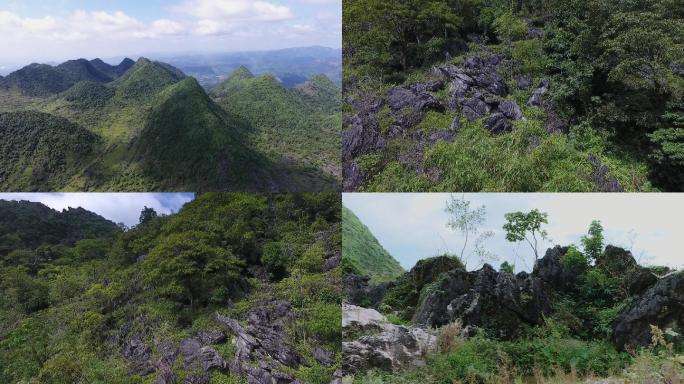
(413, 226)
(56, 30)
(117, 207)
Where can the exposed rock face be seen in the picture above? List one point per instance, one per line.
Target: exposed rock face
(500, 302)
(536, 99)
(262, 341)
(616, 261)
(359, 292)
(553, 273)
(661, 305)
(391, 347)
(601, 177)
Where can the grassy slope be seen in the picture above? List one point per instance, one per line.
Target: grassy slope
(359, 244)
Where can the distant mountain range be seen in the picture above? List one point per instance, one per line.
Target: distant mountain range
(145, 125)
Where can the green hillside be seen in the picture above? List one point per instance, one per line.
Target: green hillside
(166, 298)
(288, 125)
(156, 129)
(38, 149)
(360, 246)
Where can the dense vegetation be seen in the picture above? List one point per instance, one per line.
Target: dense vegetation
(616, 75)
(363, 252)
(287, 121)
(39, 150)
(84, 300)
(156, 129)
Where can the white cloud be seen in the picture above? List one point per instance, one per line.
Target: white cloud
(117, 207)
(235, 10)
(84, 25)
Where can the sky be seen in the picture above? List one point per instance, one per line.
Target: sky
(413, 226)
(117, 207)
(57, 30)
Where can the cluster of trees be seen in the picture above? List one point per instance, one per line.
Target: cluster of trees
(88, 281)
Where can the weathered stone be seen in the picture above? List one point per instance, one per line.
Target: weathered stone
(511, 109)
(662, 305)
(498, 124)
(353, 178)
(553, 273)
(392, 348)
(601, 177)
(456, 124)
(474, 108)
(210, 337)
(535, 33)
(536, 98)
(524, 82)
(332, 262)
(363, 137)
(428, 86)
(324, 357)
(498, 302)
(400, 97)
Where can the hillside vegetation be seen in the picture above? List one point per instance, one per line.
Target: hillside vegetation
(364, 253)
(538, 95)
(149, 127)
(176, 298)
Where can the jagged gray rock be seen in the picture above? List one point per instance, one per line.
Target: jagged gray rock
(500, 302)
(391, 347)
(662, 305)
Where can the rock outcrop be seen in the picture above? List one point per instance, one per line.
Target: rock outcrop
(496, 301)
(359, 292)
(661, 305)
(261, 350)
(382, 345)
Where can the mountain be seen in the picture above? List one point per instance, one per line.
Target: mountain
(291, 66)
(39, 149)
(146, 126)
(28, 225)
(360, 246)
(288, 124)
(165, 298)
(40, 80)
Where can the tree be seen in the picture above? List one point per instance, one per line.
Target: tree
(526, 226)
(507, 267)
(593, 242)
(147, 214)
(467, 221)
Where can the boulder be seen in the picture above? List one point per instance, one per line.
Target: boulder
(400, 97)
(616, 261)
(474, 108)
(553, 273)
(428, 86)
(499, 302)
(391, 347)
(353, 178)
(510, 109)
(210, 337)
(662, 305)
(324, 357)
(524, 82)
(138, 355)
(536, 98)
(535, 33)
(361, 138)
(498, 124)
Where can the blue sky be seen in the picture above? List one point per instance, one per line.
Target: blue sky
(413, 226)
(46, 31)
(117, 207)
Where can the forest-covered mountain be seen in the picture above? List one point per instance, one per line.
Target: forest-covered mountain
(363, 254)
(88, 125)
(233, 288)
(528, 95)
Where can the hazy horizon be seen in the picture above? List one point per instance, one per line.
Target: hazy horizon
(32, 31)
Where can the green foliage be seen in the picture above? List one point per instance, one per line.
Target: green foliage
(66, 292)
(575, 260)
(521, 226)
(509, 27)
(506, 267)
(593, 242)
(362, 251)
(40, 151)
